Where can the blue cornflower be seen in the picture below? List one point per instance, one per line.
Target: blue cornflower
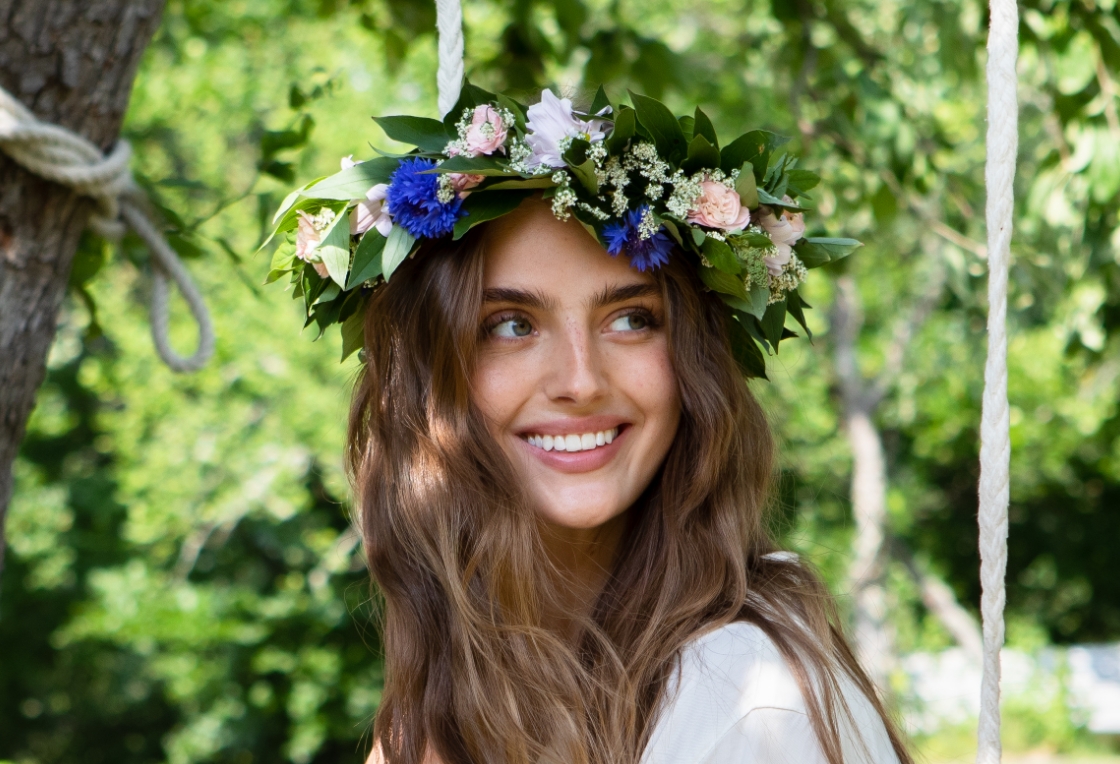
(648, 253)
(414, 203)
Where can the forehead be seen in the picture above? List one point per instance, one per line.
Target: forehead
(531, 249)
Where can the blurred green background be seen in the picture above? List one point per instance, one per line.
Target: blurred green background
(182, 584)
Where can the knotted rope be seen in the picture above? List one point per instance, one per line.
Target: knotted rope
(995, 425)
(61, 156)
(449, 23)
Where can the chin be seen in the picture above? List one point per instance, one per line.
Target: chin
(579, 515)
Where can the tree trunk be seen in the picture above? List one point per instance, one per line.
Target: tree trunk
(72, 63)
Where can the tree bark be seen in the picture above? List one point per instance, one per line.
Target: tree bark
(72, 63)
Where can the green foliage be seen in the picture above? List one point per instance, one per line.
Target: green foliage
(180, 570)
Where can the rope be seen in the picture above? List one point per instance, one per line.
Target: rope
(58, 155)
(995, 437)
(449, 22)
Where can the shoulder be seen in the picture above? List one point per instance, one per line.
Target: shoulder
(735, 699)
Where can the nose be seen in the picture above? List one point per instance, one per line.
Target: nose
(575, 371)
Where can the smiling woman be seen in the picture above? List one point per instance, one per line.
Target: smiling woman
(563, 479)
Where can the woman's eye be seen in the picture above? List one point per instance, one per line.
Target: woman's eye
(631, 322)
(512, 328)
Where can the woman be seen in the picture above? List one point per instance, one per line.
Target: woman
(617, 600)
(562, 478)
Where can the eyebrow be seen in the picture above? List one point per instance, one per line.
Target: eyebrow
(523, 297)
(612, 294)
(535, 299)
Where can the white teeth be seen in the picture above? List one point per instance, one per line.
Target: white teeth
(573, 443)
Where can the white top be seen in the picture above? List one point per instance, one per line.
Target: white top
(735, 701)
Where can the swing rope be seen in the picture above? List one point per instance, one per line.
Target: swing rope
(995, 434)
(995, 425)
(64, 157)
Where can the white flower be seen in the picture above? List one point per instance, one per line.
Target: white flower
(348, 162)
(551, 127)
(372, 212)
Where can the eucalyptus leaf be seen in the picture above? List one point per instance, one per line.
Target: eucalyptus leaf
(719, 254)
(663, 127)
(625, 125)
(422, 132)
(701, 155)
(747, 353)
(334, 249)
(353, 333)
(397, 248)
(367, 258)
(774, 322)
(482, 207)
(719, 281)
(746, 187)
(354, 182)
(703, 126)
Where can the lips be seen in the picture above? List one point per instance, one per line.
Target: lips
(593, 442)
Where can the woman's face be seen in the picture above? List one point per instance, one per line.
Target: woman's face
(573, 374)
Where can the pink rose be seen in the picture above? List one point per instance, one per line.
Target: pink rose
(719, 207)
(486, 133)
(373, 212)
(784, 230)
(462, 182)
(308, 236)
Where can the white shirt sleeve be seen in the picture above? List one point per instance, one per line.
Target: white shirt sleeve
(735, 701)
(769, 736)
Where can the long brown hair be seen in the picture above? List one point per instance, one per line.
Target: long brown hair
(472, 674)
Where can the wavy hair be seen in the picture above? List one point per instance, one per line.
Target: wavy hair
(473, 675)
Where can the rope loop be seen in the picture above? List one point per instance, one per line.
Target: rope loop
(61, 156)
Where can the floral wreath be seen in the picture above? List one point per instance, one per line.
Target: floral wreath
(643, 182)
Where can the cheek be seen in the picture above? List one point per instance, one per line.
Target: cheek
(500, 386)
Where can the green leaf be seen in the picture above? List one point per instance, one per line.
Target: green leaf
(516, 108)
(290, 221)
(754, 147)
(796, 309)
(815, 252)
(469, 97)
(747, 188)
(746, 351)
(426, 134)
(767, 198)
(719, 281)
(483, 207)
(186, 249)
(330, 291)
(755, 302)
(721, 256)
(287, 204)
(516, 185)
(698, 236)
(585, 173)
(354, 182)
(675, 232)
(625, 124)
(474, 165)
(802, 181)
(600, 101)
(334, 249)
(755, 239)
(688, 125)
(703, 126)
(774, 322)
(397, 248)
(367, 259)
(353, 333)
(701, 155)
(663, 127)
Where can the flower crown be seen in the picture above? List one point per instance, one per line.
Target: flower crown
(644, 183)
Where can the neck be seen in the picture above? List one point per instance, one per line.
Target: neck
(582, 558)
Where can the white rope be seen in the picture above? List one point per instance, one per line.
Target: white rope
(995, 437)
(63, 157)
(449, 23)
